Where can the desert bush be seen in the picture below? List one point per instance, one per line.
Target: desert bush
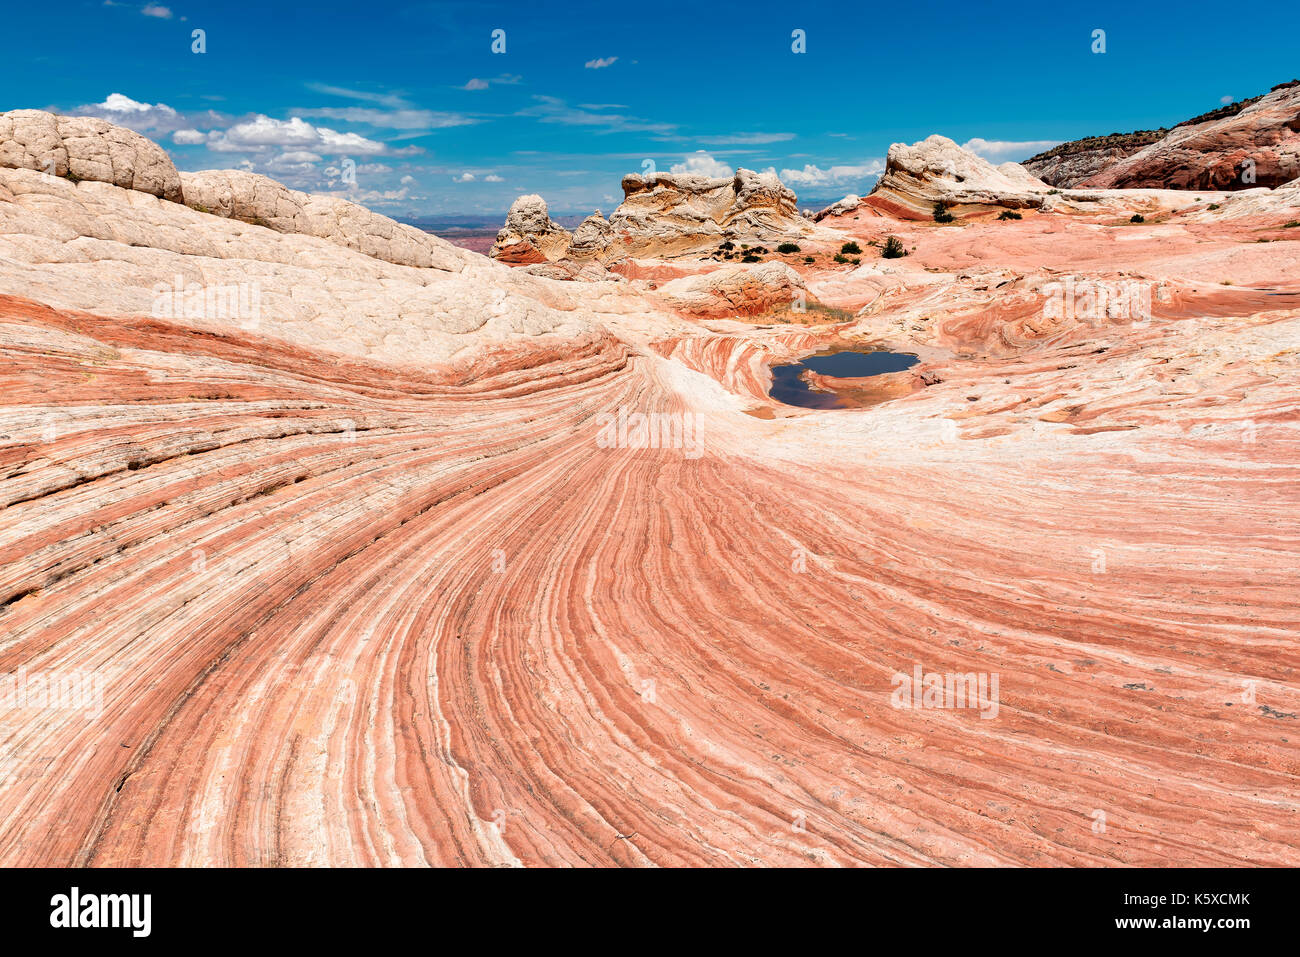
(941, 214)
(893, 248)
(841, 258)
(750, 258)
(1291, 225)
(788, 248)
(850, 247)
(1008, 214)
(1138, 218)
(808, 259)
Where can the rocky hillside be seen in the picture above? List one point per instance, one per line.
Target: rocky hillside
(1204, 152)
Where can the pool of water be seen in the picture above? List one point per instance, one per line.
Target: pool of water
(788, 387)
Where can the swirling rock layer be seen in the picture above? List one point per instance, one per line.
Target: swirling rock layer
(417, 589)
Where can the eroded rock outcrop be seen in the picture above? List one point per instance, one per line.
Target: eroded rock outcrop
(662, 215)
(937, 170)
(743, 290)
(86, 148)
(846, 205)
(1257, 146)
(261, 201)
(529, 235)
(665, 214)
(1070, 164)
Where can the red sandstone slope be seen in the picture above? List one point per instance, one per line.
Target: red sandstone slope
(358, 617)
(1259, 146)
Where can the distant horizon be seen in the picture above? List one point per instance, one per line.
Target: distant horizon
(449, 109)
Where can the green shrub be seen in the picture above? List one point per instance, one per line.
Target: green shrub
(893, 248)
(941, 214)
(750, 258)
(788, 248)
(855, 260)
(808, 259)
(1138, 218)
(841, 258)
(1291, 225)
(850, 247)
(1008, 214)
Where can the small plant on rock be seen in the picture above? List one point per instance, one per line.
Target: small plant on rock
(893, 248)
(1138, 218)
(849, 248)
(1008, 214)
(788, 248)
(941, 214)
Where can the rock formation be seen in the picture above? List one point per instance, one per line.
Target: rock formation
(848, 204)
(85, 148)
(529, 235)
(392, 574)
(662, 215)
(742, 290)
(937, 170)
(1258, 146)
(1069, 164)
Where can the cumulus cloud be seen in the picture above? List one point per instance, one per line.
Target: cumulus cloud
(493, 178)
(601, 62)
(262, 132)
(704, 164)
(189, 137)
(121, 110)
(475, 84)
(1000, 151)
(298, 156)
(813, 175)
(156, 10)
(465, 178)
(1225, 100)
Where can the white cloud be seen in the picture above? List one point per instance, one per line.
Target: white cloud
(407, 180)
(999, 151)
(298, 156)
(493, 178)
(117, 103)
(812, 175)
(188, 137)
(704, 164)
(262, 132)
(600, 63)
(551, 109)
(141, 117)
(475, 84)
(392, 119)
(1225, 100)
(742, 139)
(155, 10)
(465, 178)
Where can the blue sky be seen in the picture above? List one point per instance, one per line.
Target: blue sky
(411, 98)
